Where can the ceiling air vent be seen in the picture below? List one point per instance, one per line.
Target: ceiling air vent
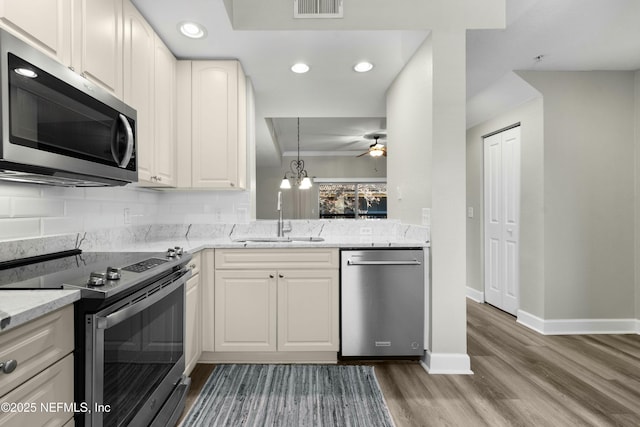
(317, 8)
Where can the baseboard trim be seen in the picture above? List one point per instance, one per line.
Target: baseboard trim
(530, 321)
(447, 363)
(578, 326)
(475, 295)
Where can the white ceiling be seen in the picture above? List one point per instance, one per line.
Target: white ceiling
(569, 34)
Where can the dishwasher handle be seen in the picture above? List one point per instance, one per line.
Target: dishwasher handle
(385, 262)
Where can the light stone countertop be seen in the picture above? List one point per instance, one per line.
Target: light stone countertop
(195, 245)
(18, 307)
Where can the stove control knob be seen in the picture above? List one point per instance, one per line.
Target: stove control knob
(113, 273)
(171, 253)
(96, 279)
(179, 250)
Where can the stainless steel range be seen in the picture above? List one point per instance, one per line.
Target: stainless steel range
(129, 330)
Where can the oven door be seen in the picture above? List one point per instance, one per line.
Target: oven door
(135, 354)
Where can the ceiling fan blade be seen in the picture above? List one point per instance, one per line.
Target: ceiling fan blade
(363, 154)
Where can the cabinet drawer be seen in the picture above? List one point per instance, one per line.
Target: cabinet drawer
(276, 258)
(52, 386)
(195, 263)
(36, 345)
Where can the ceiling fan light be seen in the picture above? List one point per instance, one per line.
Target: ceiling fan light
(363, 67)
(376, 152)
(285, 184)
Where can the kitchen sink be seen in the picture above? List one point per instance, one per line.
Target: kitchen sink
(279, 239)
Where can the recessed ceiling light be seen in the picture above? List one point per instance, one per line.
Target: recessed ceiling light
(363, 67)
(300, 68)
(192, 30)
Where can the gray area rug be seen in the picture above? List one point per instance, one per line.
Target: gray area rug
(290, 395)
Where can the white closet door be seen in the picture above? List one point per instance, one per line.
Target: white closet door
(502, 218)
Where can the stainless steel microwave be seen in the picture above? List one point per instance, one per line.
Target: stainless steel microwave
(57, 127)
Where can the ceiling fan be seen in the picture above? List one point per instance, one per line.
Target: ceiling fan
(376, 149)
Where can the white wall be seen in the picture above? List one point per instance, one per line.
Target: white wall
(29, 210)
(304, 203)
(409, 132)
(530, 117)
(580, 195)
(588, 193)
(426, 128)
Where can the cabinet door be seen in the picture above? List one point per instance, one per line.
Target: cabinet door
(139, 84)
(308, 310)
(45, 24)
(36, 345)
(245, 310)
(208, 300)
(97, 46)
(165, 115)
(192, 347)
(214, 159)
(49, 387)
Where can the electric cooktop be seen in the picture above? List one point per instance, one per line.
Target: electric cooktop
(97, 274)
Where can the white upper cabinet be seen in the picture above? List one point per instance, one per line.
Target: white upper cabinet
(164, 115)
(149, 87)
(97, 43)
(45, 24)
(86, 35)
(212, 117)
(139, 85)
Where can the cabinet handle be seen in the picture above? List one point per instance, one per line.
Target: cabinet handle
(159, 178)
(192, 266)
(8, 366)
(281, 276)
(232, 184)
(271, 276)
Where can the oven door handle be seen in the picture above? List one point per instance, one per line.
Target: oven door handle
(105, 322)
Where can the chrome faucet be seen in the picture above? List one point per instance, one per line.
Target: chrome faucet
(280, 221)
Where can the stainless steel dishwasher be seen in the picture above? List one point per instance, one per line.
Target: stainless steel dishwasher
(382, 302)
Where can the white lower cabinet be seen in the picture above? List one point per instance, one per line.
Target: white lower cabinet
(44, 372)
(262, 304)
(193, 316)
(42, 394)
(308, 310)
(245, 310)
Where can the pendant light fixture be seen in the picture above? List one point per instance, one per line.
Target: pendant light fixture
(297, 172)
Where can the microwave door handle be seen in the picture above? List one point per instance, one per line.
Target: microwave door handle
(129, 151)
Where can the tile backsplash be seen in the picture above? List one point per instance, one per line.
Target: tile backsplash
(28, 210)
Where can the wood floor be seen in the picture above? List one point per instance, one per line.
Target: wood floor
(521, 378)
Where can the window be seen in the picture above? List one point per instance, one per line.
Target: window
(352, 200)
